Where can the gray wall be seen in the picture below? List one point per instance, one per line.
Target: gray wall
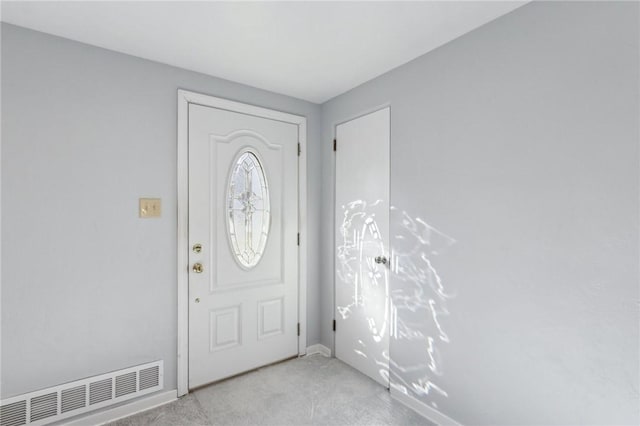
(87, 286)
(520, 141)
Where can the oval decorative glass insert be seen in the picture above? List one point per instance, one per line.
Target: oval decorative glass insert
(248, 209)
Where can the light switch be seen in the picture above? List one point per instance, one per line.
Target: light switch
(149, 207)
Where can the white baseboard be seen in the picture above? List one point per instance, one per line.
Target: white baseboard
(126, 410)
(423, 409)
(319, 349)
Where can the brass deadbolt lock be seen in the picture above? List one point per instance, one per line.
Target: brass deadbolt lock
(197, 248)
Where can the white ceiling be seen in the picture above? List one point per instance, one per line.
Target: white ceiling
(309, 50)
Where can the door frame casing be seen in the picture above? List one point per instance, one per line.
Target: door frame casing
(185, 98)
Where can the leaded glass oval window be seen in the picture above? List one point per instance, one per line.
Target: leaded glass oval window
(248, 209)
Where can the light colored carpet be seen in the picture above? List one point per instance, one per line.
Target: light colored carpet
(312, 390)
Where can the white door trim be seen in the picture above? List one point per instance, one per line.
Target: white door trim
(184, 99)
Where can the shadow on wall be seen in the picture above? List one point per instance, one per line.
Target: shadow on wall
(405, 301)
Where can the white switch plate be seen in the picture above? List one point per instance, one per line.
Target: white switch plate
(150, 207)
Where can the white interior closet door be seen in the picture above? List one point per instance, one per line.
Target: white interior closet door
(362, 244)
(243, 253)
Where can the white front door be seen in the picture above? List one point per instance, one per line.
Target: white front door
(362, 244)
(243, 253)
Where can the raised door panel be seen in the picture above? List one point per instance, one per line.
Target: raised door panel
(232, 273)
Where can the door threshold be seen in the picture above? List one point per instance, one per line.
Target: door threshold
(253, 370)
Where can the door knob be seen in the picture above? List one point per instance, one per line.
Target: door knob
(197, 268)
(381, 259)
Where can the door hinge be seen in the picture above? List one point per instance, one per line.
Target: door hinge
(298, 329)
(334, 325)
(299, 149)
(335, 145)
(298, 238)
